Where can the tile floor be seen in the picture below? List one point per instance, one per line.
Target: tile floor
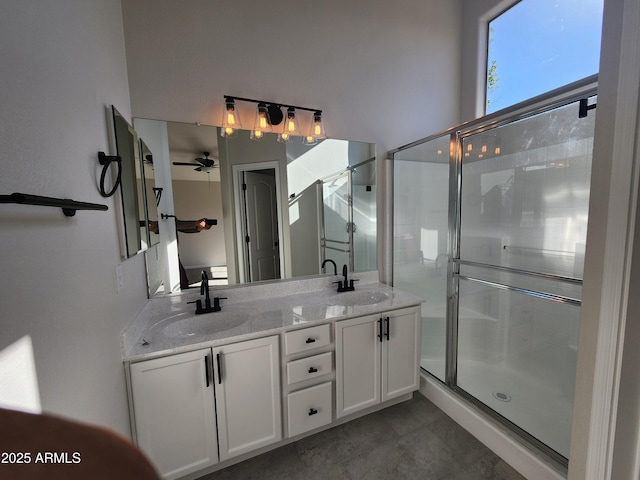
(412, 440)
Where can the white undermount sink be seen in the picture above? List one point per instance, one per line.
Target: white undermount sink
(359, 298)
(204, 324)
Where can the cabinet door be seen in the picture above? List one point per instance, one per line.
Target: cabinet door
(174, 412)
(358, 348)
(400, 353)
(247, 384)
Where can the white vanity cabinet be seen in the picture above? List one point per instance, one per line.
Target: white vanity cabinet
(247, 384)
(173, 404)
(181, 424)
(377, 358)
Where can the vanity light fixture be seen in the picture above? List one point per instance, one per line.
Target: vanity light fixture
(291, 127)
(230, 118)
(317, 126)
(268, 115)
(261, 125)
(317, 130)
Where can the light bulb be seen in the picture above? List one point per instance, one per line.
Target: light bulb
(317, 126)
(230, 119)
(290, 127)
(261, 125)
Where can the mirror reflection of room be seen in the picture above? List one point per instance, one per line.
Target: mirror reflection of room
(276, 217)
(197, 203)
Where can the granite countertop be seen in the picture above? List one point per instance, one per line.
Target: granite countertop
(167, 325)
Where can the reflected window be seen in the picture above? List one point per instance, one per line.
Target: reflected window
(539, 45)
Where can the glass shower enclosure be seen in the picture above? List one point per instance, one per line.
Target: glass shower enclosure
(490, 224)
(349, 217)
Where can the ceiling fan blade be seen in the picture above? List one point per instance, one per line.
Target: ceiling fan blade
(187, 164)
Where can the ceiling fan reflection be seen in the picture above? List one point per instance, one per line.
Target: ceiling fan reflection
(205, 164)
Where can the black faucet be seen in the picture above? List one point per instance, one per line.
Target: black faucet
(335, 268)
(346, 285)
(204, 290)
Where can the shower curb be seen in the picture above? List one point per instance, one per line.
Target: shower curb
(523, 460)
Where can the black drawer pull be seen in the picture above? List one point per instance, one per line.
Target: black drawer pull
(310, 340)
(380, 329)
(386, 322)
(312, 411)
(312, 370)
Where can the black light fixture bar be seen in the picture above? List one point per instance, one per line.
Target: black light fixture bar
(231, 97)
(68, 206)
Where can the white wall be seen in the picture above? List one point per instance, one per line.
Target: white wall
(63, 64)
(383, 72)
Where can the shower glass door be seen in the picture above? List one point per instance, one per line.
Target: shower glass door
(363, 213)
(337, 220)
(421, 241)
(524, 201)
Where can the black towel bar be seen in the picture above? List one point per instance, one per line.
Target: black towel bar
(68, 207)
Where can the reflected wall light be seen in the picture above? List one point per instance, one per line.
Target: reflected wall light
(269, 114)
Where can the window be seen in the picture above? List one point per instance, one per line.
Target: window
(539, 45)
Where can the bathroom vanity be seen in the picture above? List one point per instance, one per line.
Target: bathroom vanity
(280, 361)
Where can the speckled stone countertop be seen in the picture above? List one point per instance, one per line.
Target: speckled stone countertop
(167, 325)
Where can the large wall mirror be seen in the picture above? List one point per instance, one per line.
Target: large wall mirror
(247, 211)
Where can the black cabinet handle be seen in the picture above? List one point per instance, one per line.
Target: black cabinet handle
(386, 322)
(312, 411)
(310, 340)
(380, 330)
(219, 369)
(312, 370)
(206, 368)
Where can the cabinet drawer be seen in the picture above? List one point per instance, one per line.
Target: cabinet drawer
(306, 339)
(309, 367)
(309, 408)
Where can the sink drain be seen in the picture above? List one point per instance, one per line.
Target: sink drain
(503, 397)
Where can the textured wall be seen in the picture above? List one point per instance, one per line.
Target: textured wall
(63, 64)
